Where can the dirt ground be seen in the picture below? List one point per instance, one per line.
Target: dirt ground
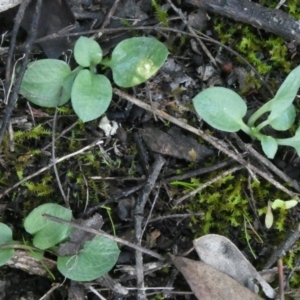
(165, 178)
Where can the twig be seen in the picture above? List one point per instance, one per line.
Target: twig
(111, 237)
(200, 171)
(61, 134)
(205, 185)
(54, 161)
(13, 97)
(48, 167)
(18, 19)
(214, 141)
(138, 213)
(109, 14)
(182, 216)
(285, 246)
(268, 164)
(192, 31)
(280, 279)
(145, 223)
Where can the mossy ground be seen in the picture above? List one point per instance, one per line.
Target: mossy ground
(225, 205)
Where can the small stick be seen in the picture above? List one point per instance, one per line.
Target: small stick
(101, 233)
(138, 213)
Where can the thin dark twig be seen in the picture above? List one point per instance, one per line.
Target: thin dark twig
(138, 213)
(280, 279)
(18, 20)
(58, 160)
(284, 247)
(200, 171)
(151, 210)
(13, 97)
(182, 216)
(111, 237)
(208, 183)
(110, 14)
(54, 161)
(266, 162)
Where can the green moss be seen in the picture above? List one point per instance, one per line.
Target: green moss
(225, 205)
(161, 15)
(266, 52)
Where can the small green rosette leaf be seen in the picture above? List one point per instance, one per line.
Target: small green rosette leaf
(135, 60)
(91, 95)
(87, 52)
(47, 83)
(97, 257)
(5, 238)
(269, 146)
(221, 108)
(48, 233)
(285, 120)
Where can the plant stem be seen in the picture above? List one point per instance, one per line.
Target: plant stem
(262, 125)
(265, 108)
(246, 129)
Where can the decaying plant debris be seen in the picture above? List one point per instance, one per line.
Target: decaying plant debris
(164, 178)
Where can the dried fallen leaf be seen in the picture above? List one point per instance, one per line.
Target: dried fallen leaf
(220, 253)
(210, 284)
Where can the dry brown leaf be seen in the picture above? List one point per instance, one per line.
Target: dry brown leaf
(210, 284)
(220, 253)
(154, 235)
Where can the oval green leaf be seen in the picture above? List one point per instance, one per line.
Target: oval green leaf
(221, 108)
(278, 203)
(269, 216)
(48, 233)
(135, 60)
(269, 146)
(285, 120)
(47, 83)
(91, 95)
(5, 238)
(87, 52)
(95, 259)
(286, 94)
(290, 203)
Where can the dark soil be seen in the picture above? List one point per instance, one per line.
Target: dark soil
(118, 172)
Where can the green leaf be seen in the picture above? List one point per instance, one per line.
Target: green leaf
(91, 95)
(286, 94)
(135, 60)
(269, 216)
(87, 52)
(284, 204)
(285, 120)
(269, 146)
(47, 83)
(48, 233)
(290, 203)
(5, 238)
(221, 108)
(278, 204)
(96, 259)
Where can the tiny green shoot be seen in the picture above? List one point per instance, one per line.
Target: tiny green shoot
(224, 109)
